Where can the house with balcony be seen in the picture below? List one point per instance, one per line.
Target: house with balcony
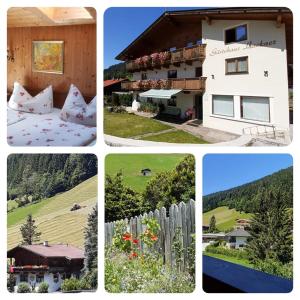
(229, 68)
(39, 263)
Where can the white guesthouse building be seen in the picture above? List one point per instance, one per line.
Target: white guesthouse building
(230, 68)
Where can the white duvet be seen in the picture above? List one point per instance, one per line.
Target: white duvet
(29, 129)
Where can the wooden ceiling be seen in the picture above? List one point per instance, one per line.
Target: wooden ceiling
(50, 16)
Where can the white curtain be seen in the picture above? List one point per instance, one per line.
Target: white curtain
(256, 108)
(223, 105)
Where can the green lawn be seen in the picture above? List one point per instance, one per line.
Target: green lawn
(225, 217)
(132, 164)
(129, 125)
(177, 136)
(239, 261)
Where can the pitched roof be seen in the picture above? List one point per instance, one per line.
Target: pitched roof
(146, 40)
(55, 250)
(239, 232)
(112, 81)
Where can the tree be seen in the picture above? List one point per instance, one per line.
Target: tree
(271, 230)
(212, 224)
(120, 201)
(91, 241)
(29, 231)
(171, 187)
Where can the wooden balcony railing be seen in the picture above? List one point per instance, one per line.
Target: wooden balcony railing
(187, 55)
(189, 84)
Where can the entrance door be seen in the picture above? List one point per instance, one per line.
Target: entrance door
(199, 107)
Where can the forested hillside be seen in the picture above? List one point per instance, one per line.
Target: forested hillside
(245, 198)
(43, 175)
(116, 71)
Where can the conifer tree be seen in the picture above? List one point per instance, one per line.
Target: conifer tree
(271, 230)
(29, 231)
(212, 224)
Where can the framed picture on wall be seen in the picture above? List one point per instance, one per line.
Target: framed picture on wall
(48, 56)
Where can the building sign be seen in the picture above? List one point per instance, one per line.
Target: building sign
(249, 45)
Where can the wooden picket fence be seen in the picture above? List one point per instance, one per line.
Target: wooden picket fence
(181, 218)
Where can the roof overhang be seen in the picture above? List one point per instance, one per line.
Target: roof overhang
(171, 21)
(159, 94)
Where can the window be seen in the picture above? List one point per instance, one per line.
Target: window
(236, 34)
(198, 71)
(172, 102)
(24, 277)
(255, 108)
(56, 277)
(39, 277)
(172, 74)
(222, 105)
(238, 65)
(144, 76)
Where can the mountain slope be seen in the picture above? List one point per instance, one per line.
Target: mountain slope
(225, 217)
(53, 216)
(132, 164)
(245, 197)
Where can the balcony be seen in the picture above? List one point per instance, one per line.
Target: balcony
(165, 59)
(188, 84)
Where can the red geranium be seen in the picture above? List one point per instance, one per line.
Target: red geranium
(154, 238)
(135, 241)
(126, 236)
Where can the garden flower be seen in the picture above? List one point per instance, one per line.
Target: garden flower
(126, 236)
(154, 238)
(135, 241)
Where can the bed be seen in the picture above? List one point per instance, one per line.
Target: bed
(27, 129)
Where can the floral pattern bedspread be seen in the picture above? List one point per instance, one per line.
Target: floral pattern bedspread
(48, 130)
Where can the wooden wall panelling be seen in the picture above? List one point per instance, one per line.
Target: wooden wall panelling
(79, 59)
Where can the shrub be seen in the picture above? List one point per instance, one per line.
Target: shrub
(119, 109)
(71, 284)
(23, 287)
(149, 107)
(107, 100)
(125, 99)
(228, 252)
(275, 267)
(115, 101)
(43, 287)
(90, 280)
(11, 282)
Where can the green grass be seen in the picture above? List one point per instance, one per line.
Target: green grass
(129, 125)
(132, 164)
(178, 136)
(54, 218)
(239, 261)
(225, 217)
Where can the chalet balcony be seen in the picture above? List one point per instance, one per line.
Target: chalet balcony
(188, 84)
(165, 59)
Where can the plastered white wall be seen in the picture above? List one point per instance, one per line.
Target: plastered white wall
(261, 58)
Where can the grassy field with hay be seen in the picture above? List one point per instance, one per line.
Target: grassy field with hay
(53, 216)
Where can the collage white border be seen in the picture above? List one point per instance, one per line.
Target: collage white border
(100, 149)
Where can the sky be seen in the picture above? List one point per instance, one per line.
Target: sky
(123, 24)
(224, 171)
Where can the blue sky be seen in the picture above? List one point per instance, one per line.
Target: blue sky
(123, 24)
(224, 171)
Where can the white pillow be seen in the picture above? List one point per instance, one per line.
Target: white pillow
(21, 100)
(76, 110)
